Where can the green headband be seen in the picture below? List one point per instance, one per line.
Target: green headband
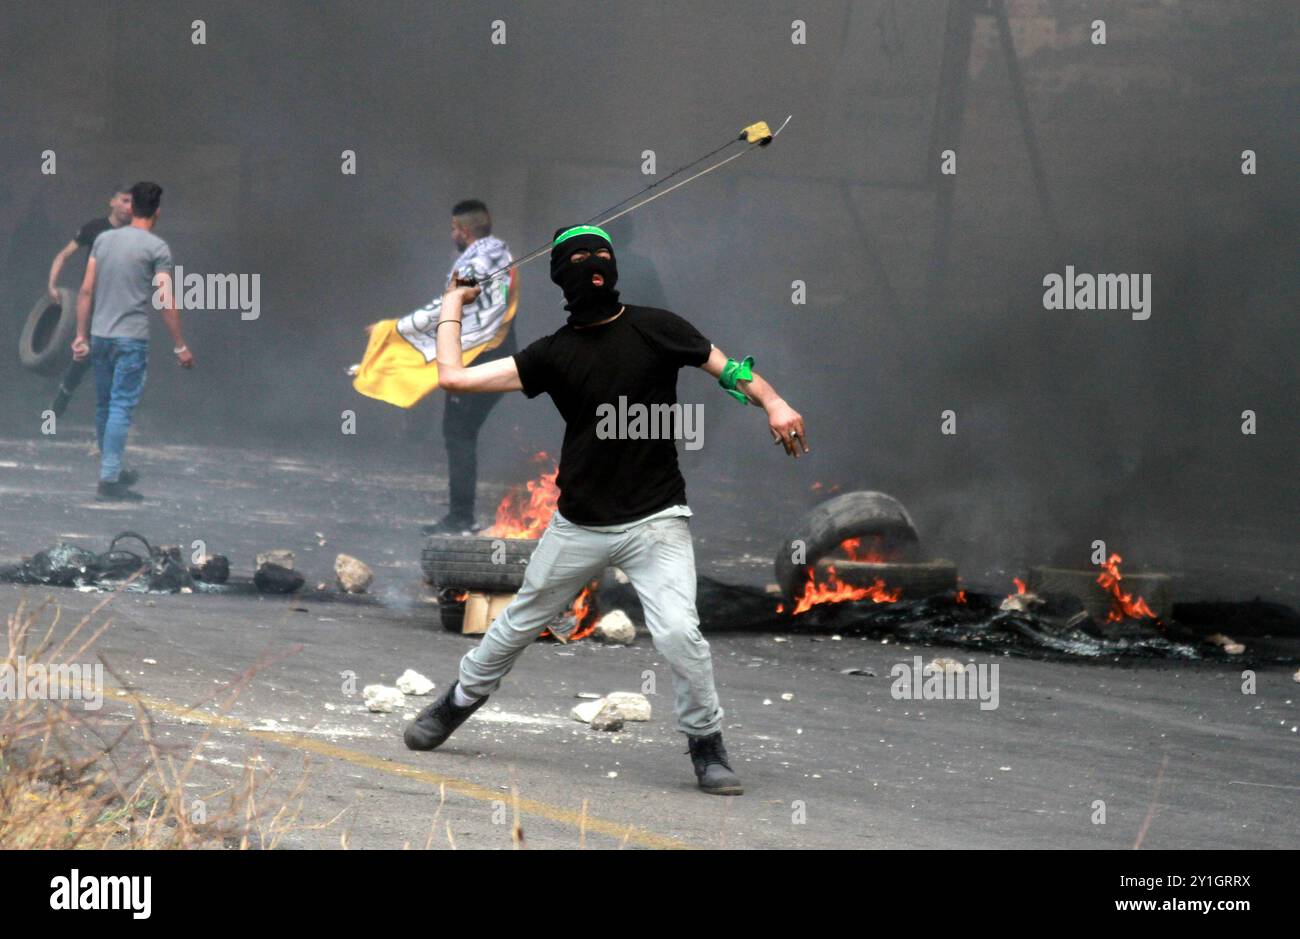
(577, 230)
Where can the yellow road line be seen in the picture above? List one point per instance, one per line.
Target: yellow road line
(545, 810)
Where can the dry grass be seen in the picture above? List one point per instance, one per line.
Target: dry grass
(71, 777)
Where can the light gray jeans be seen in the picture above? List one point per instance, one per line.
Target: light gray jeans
(659, 560)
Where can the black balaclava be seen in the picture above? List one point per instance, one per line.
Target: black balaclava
(586, 303)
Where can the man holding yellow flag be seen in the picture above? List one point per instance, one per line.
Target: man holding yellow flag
(400, 365)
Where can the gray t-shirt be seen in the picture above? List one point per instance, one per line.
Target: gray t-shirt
(126, 260)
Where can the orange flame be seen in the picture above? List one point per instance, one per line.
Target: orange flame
(580, 609)
(872, 555)
(961, 597)
(525, 511)
(1122, 605)
(1020, 589)
(836, 591)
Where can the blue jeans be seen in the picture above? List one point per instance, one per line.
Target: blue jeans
(120, 369)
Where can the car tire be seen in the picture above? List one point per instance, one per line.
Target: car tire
(828, 525)
(914, 579)
(46, 340)
(472, 562)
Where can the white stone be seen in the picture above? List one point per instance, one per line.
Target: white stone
(615, 627)
(635, 707)
(412, 682)
(354, 576)
(382, 699)
(608, 718)
(587, 710)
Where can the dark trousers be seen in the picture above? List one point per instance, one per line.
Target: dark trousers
(70, 379)
(462, 419)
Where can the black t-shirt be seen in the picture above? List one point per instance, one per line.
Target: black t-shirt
(611, 481)
(91, 230)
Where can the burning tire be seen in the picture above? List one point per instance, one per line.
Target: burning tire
(1153, 589)
(872, 515)
(47, 334)
(493, 565)
(911, 580)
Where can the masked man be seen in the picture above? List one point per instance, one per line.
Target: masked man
(622, 498)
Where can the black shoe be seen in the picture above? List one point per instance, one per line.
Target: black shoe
(711, 766)
(128, 477)
(435, 724)
(451, 525)
(117, 492)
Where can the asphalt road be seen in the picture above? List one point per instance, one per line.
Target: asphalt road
(271, 687)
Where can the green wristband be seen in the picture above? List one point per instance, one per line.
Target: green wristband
(734, 372)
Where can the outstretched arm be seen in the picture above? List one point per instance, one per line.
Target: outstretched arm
(783, 421)
(500, 375)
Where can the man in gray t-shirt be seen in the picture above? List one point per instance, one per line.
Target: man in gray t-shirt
(127, 260)
(129, 273)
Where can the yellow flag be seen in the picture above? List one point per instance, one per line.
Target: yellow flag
(395, 371)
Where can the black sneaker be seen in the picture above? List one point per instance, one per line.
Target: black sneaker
(711, 766)
(128, 477)
(451, 525)
(117, 492)
(438, 721)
